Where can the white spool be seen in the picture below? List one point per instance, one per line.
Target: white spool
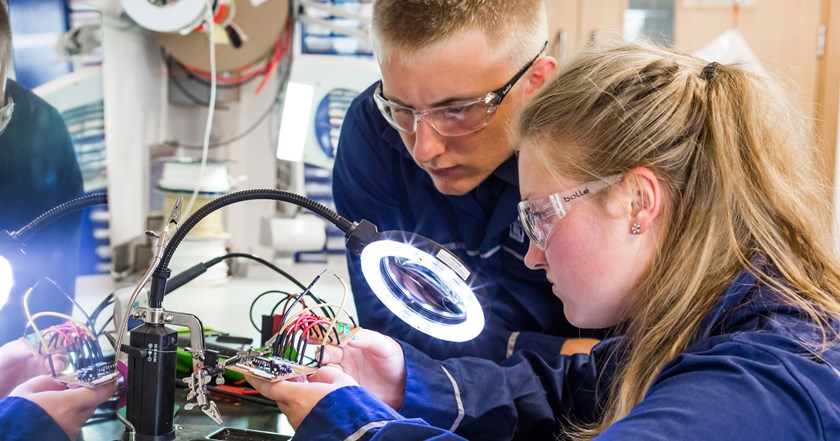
(181, 15)
(181, 174)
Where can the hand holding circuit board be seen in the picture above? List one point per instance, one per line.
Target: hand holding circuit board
(367, 359)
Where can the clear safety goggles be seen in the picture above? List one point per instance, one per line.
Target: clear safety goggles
(455, 119)
(6, 113)
(538, 216)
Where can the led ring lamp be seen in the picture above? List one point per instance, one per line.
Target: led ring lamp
(423, 284)
(420, 281)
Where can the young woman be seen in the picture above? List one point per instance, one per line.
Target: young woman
(676, 199)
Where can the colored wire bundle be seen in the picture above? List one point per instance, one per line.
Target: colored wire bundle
(73, 339)
(293, 338)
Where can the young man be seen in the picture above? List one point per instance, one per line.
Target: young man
(38, 171)
(426, 150)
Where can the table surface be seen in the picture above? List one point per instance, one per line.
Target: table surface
(223, 307)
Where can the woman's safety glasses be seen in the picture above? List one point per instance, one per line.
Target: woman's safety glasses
(455, 119)
(538, 216)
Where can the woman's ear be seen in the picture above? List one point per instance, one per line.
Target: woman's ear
(646, 199)
(541, 71)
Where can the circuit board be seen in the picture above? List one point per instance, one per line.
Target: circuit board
(271, 368)
(342, 334)
(73, 356)
(90, 376)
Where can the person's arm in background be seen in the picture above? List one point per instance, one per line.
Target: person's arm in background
(364, 187)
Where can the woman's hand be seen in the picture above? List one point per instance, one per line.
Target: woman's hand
(376, 362)
(297, 397)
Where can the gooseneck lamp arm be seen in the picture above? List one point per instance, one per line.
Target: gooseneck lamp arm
(54, 213)
(12, 243)
(358, 234)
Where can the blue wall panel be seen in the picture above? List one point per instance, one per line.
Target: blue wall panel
(36, 26)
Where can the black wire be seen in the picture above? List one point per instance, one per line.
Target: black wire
(292, 307)
(69, 297)
(259, 259)
(109, 299)
(94, 317)
(251, 309)
(321, 357)
(275, 347)
(171, 61)
(241, 196)
(301, 347)
(277, 305)
(232, 139)
(196, 100)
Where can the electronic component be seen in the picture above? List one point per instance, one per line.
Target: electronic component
(73, 355)
(270, 368)
(91, 376)
(341, 334)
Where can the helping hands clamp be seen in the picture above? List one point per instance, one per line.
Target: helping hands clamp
(206, 363)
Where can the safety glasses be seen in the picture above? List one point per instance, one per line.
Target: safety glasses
(538, 216)
(455, 119)
(6, 113)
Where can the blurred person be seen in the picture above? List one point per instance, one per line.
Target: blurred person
(38, 171)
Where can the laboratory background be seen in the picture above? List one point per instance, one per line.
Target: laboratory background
(234, 107)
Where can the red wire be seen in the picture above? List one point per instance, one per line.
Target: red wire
(67, 339)
(281, 49)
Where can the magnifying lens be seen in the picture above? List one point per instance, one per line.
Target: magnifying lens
(424, 284)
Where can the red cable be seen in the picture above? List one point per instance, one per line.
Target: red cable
(281, 48)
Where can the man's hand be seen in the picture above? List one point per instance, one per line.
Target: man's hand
(70, 408)
(376, 362)
(297, 397)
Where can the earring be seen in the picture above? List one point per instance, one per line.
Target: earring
(636, 229)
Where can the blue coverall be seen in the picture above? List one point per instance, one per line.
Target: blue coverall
(23, 420)
(745, 376)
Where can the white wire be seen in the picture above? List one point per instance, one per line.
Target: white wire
(211, 109)
(206, 147)
(335, 317)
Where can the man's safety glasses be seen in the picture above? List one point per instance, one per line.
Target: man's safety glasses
(538, 216)
(6, 113)
(455, 119)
